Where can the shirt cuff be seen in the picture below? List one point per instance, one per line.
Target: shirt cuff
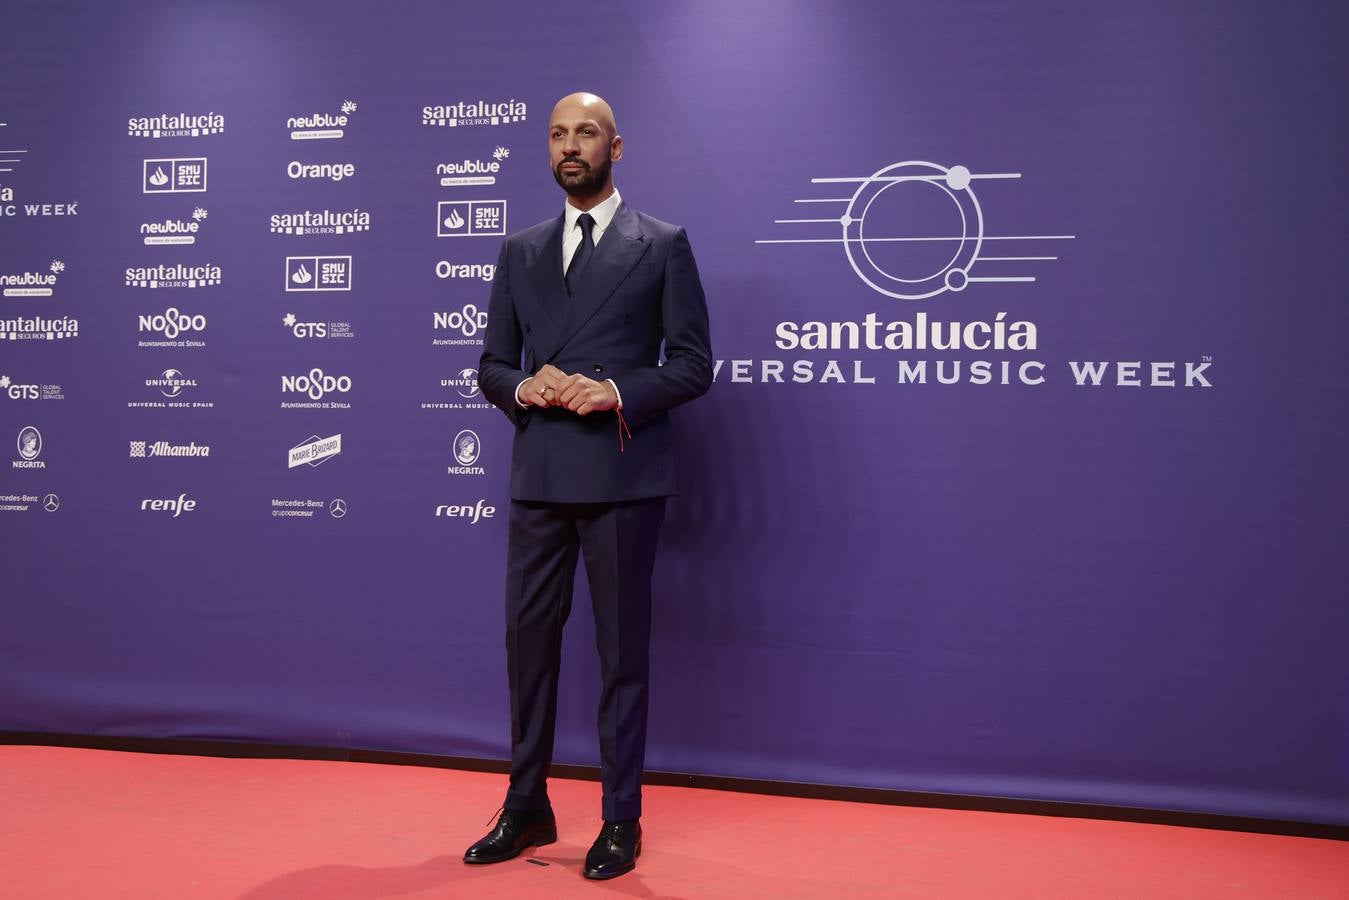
(616, 393)
(520, 403)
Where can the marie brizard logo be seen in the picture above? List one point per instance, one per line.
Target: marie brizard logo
(913, 230)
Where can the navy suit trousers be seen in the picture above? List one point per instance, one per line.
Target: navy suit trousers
(618, 541)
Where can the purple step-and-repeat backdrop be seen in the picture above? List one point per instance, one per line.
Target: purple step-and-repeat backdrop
(1021, 474)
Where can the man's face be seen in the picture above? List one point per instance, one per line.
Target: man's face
(581, 151)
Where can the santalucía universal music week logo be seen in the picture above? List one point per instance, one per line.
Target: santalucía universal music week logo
(915, 231)
(179, 124)
(463, 113)
(32, 284)
(174, 231)
(321, 126)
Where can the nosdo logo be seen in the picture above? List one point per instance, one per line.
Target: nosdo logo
(321, 126)
(467, 321)
(175, 125)
(33, 284)
(471, 172)
(173, 231)
(174, 276)
(324, 221)
(171, 323)
(316, 385)
(473, 514)
(171, 382)
(179, 505)
(474, 112)
(174, 176)
(330, 171)
(482, 271)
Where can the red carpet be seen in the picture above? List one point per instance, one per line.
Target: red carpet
(89, 824)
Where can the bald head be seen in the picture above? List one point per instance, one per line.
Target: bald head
(583, 106)
(583, 145)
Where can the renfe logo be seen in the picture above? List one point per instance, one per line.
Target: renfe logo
(176, 506)
(473, 513)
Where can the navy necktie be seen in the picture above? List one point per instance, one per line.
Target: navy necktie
(581, 258)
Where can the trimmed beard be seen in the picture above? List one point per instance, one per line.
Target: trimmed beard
(585, 183)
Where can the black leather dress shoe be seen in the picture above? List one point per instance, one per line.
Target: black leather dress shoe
(615, 851)
(516, 830)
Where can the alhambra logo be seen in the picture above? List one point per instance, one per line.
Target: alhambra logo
(167, 125)
(321, 126)
(174, 231)
(309, 222)
(464, 113)
(177, 275)
(32, 284)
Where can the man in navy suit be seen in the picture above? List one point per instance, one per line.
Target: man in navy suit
(582, 307)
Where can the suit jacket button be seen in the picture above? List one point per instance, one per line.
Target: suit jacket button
(598, 368)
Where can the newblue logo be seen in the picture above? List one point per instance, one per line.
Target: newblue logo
(321, 126)
(32, 284)
(472, 172)
(173, 231)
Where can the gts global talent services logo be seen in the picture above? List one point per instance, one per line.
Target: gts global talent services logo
(316, 330)
(173, 231)
(32, 284)
(465, 113)
(472, 172)
(12, 390)
(174, 176)
(321, 126)
(177, 275)
(166, 125)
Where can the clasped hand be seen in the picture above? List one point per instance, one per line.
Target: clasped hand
(550, 386)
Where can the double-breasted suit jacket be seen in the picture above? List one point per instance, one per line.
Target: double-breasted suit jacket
(640, 294)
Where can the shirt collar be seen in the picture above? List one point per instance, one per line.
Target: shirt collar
(603, 214)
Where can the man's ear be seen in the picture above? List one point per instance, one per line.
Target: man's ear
(616, 148)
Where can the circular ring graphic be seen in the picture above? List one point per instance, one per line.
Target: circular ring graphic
(950, 276)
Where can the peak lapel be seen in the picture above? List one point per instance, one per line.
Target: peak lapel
(621, 247)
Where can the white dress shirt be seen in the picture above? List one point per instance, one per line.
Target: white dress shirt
(572, 235)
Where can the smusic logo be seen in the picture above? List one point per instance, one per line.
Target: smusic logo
(174, 176)
(318, 273)
(470, 218)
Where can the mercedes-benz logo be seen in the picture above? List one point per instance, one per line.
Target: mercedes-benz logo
(51, 503)
(338, 508)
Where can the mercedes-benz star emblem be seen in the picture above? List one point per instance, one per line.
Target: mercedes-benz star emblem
(338, 508)
(51, 503)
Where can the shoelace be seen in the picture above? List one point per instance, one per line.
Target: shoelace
(501, 810)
